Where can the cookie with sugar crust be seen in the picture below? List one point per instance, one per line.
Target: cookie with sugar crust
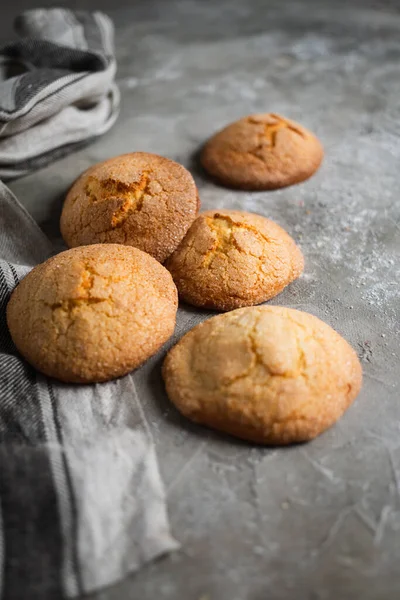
(262, 152)
(93, 313)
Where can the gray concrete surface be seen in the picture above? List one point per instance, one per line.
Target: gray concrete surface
(318, 521)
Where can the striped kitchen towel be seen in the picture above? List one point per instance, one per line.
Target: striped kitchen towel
(57, 88)
(81, 499)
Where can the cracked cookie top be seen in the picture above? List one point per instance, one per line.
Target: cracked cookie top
(139, 199)
(93, 313)
(267, 374)
(230, 259)
(262, 152)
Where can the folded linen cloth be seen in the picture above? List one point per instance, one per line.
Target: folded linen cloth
(57, 87)
(81, 499)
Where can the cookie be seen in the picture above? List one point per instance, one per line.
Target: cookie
(92, 313)
(230, 259)
(262, 152)
(267, 374)
(139, 199)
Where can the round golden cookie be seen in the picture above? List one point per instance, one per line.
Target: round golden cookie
(231, 258)
(93, 313)
(139, 199)
(262, 152)
(267, 374)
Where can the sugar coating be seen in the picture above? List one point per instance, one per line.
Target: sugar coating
(139, 199)
(269, 374)
(230, 259)
(93, 313)
(262, 152)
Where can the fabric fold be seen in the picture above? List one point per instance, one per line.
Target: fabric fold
(57, 87)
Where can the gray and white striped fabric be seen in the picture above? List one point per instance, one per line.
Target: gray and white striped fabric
(57, 88)
(81, 499)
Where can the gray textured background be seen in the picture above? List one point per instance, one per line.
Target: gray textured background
(318, 521)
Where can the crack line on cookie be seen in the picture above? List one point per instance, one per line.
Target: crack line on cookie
(134, 199)
(132, 195)
(268, 137)
(224, 228)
